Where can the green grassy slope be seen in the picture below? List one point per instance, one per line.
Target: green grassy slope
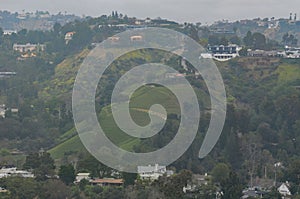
(140, 102)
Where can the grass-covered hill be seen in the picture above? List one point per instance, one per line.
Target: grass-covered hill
(250, 84)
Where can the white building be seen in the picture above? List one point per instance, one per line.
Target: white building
(292, 52)
(12, 171)
(221, 52)
(24, 48)
(69, 36)
(284, 190)
(152, 172)
(81, 176)
(9, 32)
(2, 110)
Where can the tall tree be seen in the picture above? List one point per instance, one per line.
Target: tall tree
(248, 39)
(232, 187)
(67, 174)
(42, 165)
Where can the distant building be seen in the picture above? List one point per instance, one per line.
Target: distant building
(25, 48)
(12, 171)
(136, 38)
(221, 52)
(284, 189)
(222, 30)
(253, 193)
(135, 27)
(81, 176)
(9, 32)
(152, 172)
(292, 52)
(264, 53)
(2, 110)
(197, 181)
(107, 182)
(7, 74)
(69, 36)
(14, 110)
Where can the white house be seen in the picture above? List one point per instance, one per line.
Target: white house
(284, 190)
(69, 36)
(221, 52)
(23, 48)
(12, 171)
(292, 52)
(81, 176)
(152, 172)
(9, 32)
(2, 110)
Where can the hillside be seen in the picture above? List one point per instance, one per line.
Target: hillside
(139, 112)
(251, 74)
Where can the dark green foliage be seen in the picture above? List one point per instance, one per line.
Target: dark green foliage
(54, 189)
(129, 178)
(67, 174)
(232, 187)
(172, 186)
(273, 194)
(42, 165)
(22, 188)
(96, 168)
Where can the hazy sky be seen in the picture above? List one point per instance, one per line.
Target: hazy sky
(178, 10)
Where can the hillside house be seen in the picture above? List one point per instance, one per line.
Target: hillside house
(12, 171)
(292, 52)
(9, 32)
(264, 53)
(284, 190)
(69, 36)
(197, 181)
(81, 176)
(107, 182)
(7, 74)
(25, 48)
(2, 111)
(221, 52)
(153, 172)
(253, 193)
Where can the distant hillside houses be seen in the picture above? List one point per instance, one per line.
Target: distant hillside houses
(4, 109)
(289, 52)
(153, 172)
(222, 52)
(292, 52)
(98, 181)
(264, 53)
(9, 32)
(12, 171)
(107, 182)
(24, 48)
